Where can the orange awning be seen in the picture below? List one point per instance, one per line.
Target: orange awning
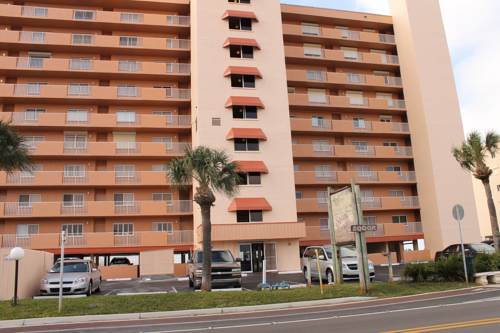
(241, 42)
(239, 13)
(242, 71)
(252, 166)
(246, 133)
(249, 204)
(244, 101)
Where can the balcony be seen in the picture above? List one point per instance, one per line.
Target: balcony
(98, 240)
(327, 102)
(66, 42)
(142, 122)
(360, 177)
(314, 125)
(346, 151)
(351, 59)
(385, 232)
(129, 95)
(90, 68)
(255, 231)
(95, 209)
(92, 19)
(322, 79)
(107, 149)
(83, 179)
(319, 205)
(300, 33)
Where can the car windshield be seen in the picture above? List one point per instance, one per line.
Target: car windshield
(120, 261)
(347, 252)
(483, 248)
(71, 267)
(217, 256)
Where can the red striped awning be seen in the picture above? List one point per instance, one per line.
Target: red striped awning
(241, 70)
(252, 166)
(240, 14)
(249, 204)
(246, 133)
(241, 42)
(244, 101)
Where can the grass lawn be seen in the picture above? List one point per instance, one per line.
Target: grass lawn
(190, 300)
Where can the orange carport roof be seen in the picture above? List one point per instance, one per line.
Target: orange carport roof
(242, 71)
(241, 42)
(244, 101)
(239, 13)
(249, 204)
(252, 166)
(246, 133)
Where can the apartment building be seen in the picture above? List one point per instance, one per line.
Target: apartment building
(108, 92)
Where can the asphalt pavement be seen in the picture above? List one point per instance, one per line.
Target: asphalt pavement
(474, 310)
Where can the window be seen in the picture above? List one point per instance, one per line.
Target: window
(360, 146)
(81, 39)
(242, 81)
(78, 89)
(127, 91)
(123, 229)
(396, 193)
(385, 119)
(298, 195)
(318, 122)
(159, 167)
(241, 51)
(31, 141)
(350, 53)
(312, 29)
(216, 121)
(364, 171)
(249, 216)
(322, 171)
(75, 140)
(32, 114)
(24, 230)
(239, 1)
(322, 197)
(355, 78)
(244, 112)
(165, 140)
(167, 227)
(124, 199)
(393, 168)
(125, 140)
(80, 64)
(291, 90)
(26, 200)
(323, 223)
(321, 145)
(246, 144)
(74, 115)
(35, 59)
(250, 178)
(387, 97)
(125, 171)
(355, 97)
(313, 50)
(33, 88)
(73, 200)
(35, 11)
(316, 75)
(125, 117)
(317, 96)
(238, 23)
(131, 17)
(73, 229)
(359, 123)
(129, 41)
(167, 114)
(74, 171)
(128, 66)
(163, 196)
(390, 144)
(400, 219)
(370, 219)
(83, 14)
(367, 195)
(36, 36)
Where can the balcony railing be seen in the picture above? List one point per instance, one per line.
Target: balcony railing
(96, 208)
(410, 229)
(326, 150)
(345, 177)
(350, 102)
(312, 205)
(351, 57)
(45, 241)
(337, 78)
(351, 126)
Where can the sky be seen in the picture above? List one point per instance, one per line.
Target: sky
(474, 40)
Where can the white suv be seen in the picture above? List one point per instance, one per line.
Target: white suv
(349, 263)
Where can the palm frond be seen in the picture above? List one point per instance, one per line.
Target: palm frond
(492, 143)
(13, 151)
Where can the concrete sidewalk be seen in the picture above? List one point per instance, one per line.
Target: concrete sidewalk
(175, 314)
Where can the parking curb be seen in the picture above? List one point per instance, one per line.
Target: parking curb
(175, 314)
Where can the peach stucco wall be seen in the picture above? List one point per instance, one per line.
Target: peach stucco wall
(160, 262)
(435, 122)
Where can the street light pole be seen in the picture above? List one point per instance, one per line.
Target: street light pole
(16, 278)
(16, 254)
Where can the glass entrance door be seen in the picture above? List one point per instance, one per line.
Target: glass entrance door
(246, 257)
(257, 257)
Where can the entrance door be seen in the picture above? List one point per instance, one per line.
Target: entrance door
(257, 257)
(246, 257)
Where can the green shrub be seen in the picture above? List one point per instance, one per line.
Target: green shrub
(420, 272)
(450, 269)
(486, 262)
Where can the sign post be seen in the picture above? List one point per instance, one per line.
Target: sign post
(61, 271)
(364, 273)
(458, 213)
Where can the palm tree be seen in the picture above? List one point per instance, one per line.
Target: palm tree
(13, 152)
(211, 170)
(472, 157)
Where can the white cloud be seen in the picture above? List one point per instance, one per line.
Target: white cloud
(373, 6)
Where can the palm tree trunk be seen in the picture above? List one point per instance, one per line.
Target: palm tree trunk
(206, 277)
(493, 214)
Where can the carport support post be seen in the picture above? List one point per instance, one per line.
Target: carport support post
(337, 265)
(61, 271)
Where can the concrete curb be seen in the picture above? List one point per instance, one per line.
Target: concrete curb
(175, 314)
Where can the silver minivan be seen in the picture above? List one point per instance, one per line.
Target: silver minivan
(349, 263)
(79, 277)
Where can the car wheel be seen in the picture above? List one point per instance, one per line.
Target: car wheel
(89, 291)
(329, 276)
(191, 284)
(98, 289)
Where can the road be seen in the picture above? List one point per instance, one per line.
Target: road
(475, 311)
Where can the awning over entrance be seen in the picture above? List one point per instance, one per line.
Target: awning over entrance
(244, 101)
(252, 166)
(246, 133)
(249, 204)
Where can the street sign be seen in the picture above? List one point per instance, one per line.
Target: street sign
(458, 212)
(363, 227)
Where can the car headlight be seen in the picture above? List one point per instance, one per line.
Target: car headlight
(80, 280)
(44, 281)
(344, 265)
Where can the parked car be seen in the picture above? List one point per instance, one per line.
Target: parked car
(489, 242)
(349, 263)
(79, 277)
(226, 270)
(120, 261)
(471, 250)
